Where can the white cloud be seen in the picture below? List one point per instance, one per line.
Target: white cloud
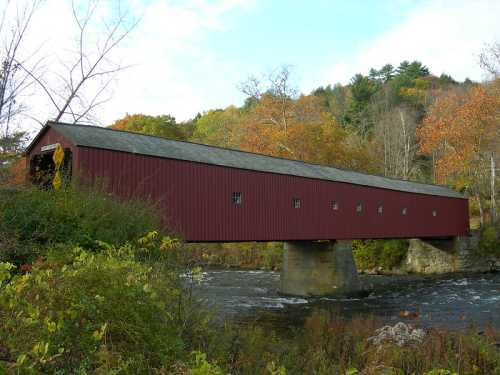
(166, 53)
(446, 35)
(173, 72)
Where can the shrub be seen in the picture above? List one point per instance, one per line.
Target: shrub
(202, 367)
(366, 254)
(100, 313)
(272, 256)
(393, 253)
(386, 254)
(251, 255)
(31, 219)
(489, 241)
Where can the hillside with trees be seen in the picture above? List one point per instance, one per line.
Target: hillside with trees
(400, 122)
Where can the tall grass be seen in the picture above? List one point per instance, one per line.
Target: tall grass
(328, 344)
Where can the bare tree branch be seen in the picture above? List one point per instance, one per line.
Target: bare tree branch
(14, 81)
(66, 88)
(489, 59)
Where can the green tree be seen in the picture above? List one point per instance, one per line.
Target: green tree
(161, 126)
(359, 113)
(11, 146)
(218, 127)
(385, 74)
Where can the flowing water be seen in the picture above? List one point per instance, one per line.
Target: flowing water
(446, 301)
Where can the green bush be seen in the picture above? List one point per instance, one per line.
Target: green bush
(366, 254)
(202, 367)
(387, 254)
(272, 255)
(489, 241)
(100, 313)
(31, 219)
(250, 255)
(393, 253)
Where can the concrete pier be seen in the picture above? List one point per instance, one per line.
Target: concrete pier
(319, 268)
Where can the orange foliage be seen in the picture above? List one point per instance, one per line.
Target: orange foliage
(321, 140)
(291, 128)
(459, 128)
(17, 173)
(123, 123)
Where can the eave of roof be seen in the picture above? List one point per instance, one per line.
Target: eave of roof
(110, 139)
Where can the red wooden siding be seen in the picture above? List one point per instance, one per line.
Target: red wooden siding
(195, 199)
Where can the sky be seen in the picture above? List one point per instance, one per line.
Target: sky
(188, 56)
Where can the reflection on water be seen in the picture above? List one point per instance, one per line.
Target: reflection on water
(453, 302)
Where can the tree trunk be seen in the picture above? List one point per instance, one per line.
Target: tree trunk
(481, 213)
(406, 146)
(493, 191)
(386, 169)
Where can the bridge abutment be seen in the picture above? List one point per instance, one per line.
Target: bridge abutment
(318, 268)
(456, 254)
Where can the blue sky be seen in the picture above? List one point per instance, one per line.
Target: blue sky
(189, 55)
(308, 35)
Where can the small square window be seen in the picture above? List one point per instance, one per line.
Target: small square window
(296, 203)
(380, 209)
(359, 207)
(434, 213)
(236, 198)
(335, 205)
(404, 211)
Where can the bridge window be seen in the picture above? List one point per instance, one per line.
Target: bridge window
(434, 213)
(359, 207)
(380, 209)
(404, 211)
(296, 203)
(236, 198)
(335, 205)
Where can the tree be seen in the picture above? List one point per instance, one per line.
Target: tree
(360, 112)
(11, 146)
(160, 126)
(14, 82)
(277, 89)
(335, 100)
(90, 70)
(327, 143)
(412, 70)
(489, 59)
(446, 79)
(395, 131)
(219, 128)
(385, 74)
(461, 131)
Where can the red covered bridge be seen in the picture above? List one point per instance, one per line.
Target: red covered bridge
(214, 194)
(209, 193)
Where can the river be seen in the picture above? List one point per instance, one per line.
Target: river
(451, 301)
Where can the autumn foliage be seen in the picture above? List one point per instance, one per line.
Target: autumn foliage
(461, 130)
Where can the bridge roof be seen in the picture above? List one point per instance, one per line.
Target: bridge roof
(105, 138)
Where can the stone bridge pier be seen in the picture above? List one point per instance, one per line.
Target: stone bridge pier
(454, 254)
(319, 268)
